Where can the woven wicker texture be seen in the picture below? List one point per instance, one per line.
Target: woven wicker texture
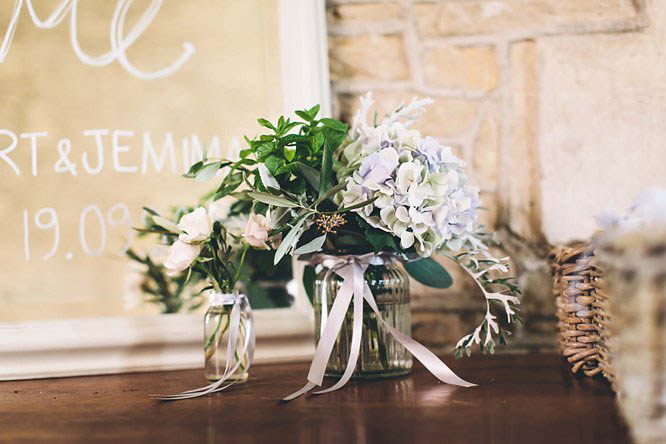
(634, 265)
(575, 286)
(601, 320)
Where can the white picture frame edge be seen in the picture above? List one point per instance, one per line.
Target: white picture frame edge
(75, 347)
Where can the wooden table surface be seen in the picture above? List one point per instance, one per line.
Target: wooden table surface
(521, 399)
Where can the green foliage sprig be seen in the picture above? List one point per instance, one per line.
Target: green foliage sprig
(171, 293)
(298, 154)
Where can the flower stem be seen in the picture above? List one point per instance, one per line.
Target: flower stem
(240, 264)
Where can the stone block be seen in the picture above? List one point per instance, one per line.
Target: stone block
(485, 154)
(520, 189)
(461, 67)
(601, 123)
(368, 57)
(502, 16)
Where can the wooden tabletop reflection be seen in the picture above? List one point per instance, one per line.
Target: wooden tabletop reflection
(522, 399)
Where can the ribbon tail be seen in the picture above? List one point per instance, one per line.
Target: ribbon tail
(356, 332)
(306, 388)
(327, 339)
(434, 365)
(234, 330)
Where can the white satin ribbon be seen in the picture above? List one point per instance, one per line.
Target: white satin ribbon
(351, 269)
(247, 353)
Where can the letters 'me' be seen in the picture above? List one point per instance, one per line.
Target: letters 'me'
(119, 40)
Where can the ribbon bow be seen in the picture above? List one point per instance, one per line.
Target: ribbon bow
(247, 353)
(351, 269)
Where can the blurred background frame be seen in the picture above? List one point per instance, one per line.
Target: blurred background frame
(103, 345)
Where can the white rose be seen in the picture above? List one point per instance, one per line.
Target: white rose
(181, 255)
(218, 210)
(256, 231)
(196, 226)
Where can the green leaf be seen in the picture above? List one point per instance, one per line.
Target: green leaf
(314, 111)
(289, 126)
(166, 224)
(312, 246)
(317, 141)
(194, 169)
(290, 239)
(151, 211)
(273, 200)
(286, 168)
(328, 195)
(310, 174)
(379, 239)
(264, 150)
(333, 137)
(334, 124)
(356, 206)
(290, 139)
(229, 185)
(309, 276)
(326, 170)
(207, 172)
(289, 152)
(429, 272)
(266, 123)
(304, 115)
(273, 162)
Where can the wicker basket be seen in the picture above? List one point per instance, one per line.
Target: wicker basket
(575, 285)
(635, 269)
(602, 315)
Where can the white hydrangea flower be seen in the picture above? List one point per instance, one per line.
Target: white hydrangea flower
(421, 192)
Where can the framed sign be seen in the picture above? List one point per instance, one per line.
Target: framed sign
(105, 106)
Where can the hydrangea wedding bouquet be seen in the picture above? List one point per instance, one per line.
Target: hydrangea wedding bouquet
(351, 202)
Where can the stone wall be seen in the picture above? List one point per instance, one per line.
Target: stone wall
(540, 97)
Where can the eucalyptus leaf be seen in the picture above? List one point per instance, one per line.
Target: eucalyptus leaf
(289, 240)
(267, 178)
(429, 272)
(166, 223)
(207, 172)
(229, 185)
(273, 200)
(150, 211)
(194, 169)
(312, 246)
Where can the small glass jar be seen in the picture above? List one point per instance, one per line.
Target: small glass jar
(217, 325)
(381, 355)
